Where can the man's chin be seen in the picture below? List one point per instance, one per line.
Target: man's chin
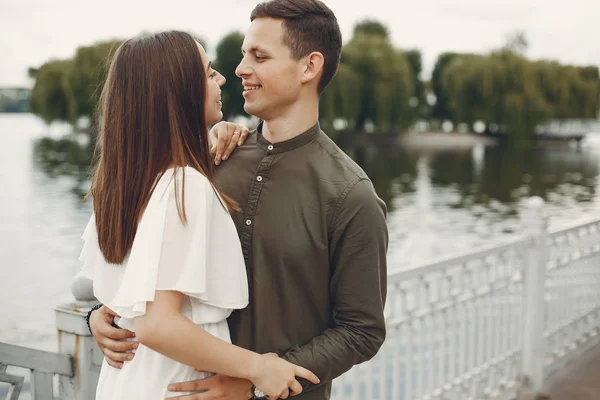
(254, 111)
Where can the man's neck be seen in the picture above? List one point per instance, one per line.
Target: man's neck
(293, 123)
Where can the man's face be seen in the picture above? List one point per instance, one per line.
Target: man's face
(270, 76)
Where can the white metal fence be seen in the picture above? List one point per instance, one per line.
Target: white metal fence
(490, 324)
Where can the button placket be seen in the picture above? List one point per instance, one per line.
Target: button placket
(252, 205)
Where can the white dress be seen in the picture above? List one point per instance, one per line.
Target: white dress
(202, 259)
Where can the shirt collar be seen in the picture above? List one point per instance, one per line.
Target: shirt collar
(287, 145)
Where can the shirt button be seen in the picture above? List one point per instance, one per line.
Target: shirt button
(259, 178)
(270, 147)
(248, 222)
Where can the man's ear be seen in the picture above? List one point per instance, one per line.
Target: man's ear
(313, 66)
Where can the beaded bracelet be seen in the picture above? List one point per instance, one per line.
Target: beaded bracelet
(89, 314)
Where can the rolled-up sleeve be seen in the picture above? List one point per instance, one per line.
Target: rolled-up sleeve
(358, 246)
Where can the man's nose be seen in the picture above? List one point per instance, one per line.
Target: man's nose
(242, 69)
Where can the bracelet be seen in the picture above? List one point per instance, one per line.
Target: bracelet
(89, 314)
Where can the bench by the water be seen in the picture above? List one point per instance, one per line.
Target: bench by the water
(493, 324)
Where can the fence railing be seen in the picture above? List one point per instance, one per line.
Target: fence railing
(77, 365)
(572, 297)
(43, 365)
(493, 324)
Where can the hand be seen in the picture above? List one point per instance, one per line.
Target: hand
(224, 136)
(217, 387)
(277, 377)
(111, 339)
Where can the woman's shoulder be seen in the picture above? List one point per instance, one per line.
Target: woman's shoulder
(192, 177)
(192, 186)
(194, 180)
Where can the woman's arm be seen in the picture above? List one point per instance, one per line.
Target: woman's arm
(166, 331)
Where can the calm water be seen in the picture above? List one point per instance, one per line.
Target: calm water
(441, 203)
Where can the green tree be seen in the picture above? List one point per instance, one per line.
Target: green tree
(441, 109)
(86, 76)
(499, 88)
(416, 67)
(228, 58)
(371, 27)
(340, 100)
(385, 82)
(49, 99)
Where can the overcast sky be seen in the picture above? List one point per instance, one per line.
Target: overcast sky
(34, 31)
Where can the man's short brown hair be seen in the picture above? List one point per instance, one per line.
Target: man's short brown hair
(309, 25)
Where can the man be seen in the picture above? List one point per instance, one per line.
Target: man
(312, 228)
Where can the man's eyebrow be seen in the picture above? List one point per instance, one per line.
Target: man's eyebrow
(254, 49)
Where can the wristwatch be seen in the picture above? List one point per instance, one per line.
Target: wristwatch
(258, 394)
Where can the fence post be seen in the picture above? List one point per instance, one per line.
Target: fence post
(534, 310)
(74, 339)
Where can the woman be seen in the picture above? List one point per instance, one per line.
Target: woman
(161, 247)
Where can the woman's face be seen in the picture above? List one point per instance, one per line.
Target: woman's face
(214, 81)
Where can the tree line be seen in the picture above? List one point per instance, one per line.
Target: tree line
(378, 88)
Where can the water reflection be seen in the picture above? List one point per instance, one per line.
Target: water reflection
(392, 169)
(453, 201)
(496, 177)
(486, 176)
(68, 156)
(482, 175)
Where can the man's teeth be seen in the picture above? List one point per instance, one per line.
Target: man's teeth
(251, 87)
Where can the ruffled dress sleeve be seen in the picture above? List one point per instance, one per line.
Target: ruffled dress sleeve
(201, 258)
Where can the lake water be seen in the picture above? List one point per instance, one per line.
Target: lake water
(440, 203)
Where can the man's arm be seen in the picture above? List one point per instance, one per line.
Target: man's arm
(358, 287)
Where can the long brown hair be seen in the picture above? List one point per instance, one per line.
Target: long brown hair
(151, 116)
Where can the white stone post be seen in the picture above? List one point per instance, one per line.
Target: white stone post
(74, 339)
(534, 310)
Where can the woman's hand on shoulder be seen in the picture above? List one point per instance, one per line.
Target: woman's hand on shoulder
(224, 137)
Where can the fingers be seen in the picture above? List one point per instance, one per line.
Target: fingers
(232, 143)
(118, 346)
(213, 136)
(225, 136)
(221, 146)
(198, 396)
(113, 364)
(106, 310)
(306, 374)
(116, 357)
(192, 386)
(295, 388)
(106, 330)
(243, 136)
(285, 394)
(110, 332)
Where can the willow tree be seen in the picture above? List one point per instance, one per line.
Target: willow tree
(340, 100)
(48, 98)
(441, 110)
(85, 76)
(386, 83)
